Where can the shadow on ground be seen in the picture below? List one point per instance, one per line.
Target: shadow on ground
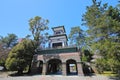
(15, 74)
(114, 78)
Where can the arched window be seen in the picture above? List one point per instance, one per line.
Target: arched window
(54, 66)
(71, 67)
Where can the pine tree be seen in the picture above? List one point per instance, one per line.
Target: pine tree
(104, 31)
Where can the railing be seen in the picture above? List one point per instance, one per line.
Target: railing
(66, 49)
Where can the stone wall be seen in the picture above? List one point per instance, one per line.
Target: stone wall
(63, 57)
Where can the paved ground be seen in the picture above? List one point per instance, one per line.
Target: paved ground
(56, 77)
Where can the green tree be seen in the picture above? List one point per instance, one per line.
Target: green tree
(3, 55)
(20, 56)
(6, 43)
(77, 37)
(86, 56)
(37, 26)
(100, 65)
(103, 30)
(9, 41)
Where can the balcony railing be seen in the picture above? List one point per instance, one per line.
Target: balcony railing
(58, 50)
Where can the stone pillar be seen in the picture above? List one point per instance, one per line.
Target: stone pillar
(34, 67)
(51, 45)
(44, 70)
(64, 69)
(79, 68)
(63, 45)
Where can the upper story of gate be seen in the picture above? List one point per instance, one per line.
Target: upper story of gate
(59, 38)
(58, 43)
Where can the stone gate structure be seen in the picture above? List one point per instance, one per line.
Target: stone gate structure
(59, 58)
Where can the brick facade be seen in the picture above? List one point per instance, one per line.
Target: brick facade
(63, 57)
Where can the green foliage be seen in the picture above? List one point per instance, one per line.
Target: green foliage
(86, 56)
(84, 59)
(3, 56)
(37, 26)
(77, 37)
(100, 65)
(103, 23)
(9, 41)
(6, 43)
(2, 62)
(114, 65)
(20, 56)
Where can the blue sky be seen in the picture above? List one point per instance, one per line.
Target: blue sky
(14, 14)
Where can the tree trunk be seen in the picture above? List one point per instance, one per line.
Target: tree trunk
(20, 71)
(4, 68)
(29, 70)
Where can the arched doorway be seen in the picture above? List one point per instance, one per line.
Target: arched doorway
(54, 66)
(71, 67)
(40, 66)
